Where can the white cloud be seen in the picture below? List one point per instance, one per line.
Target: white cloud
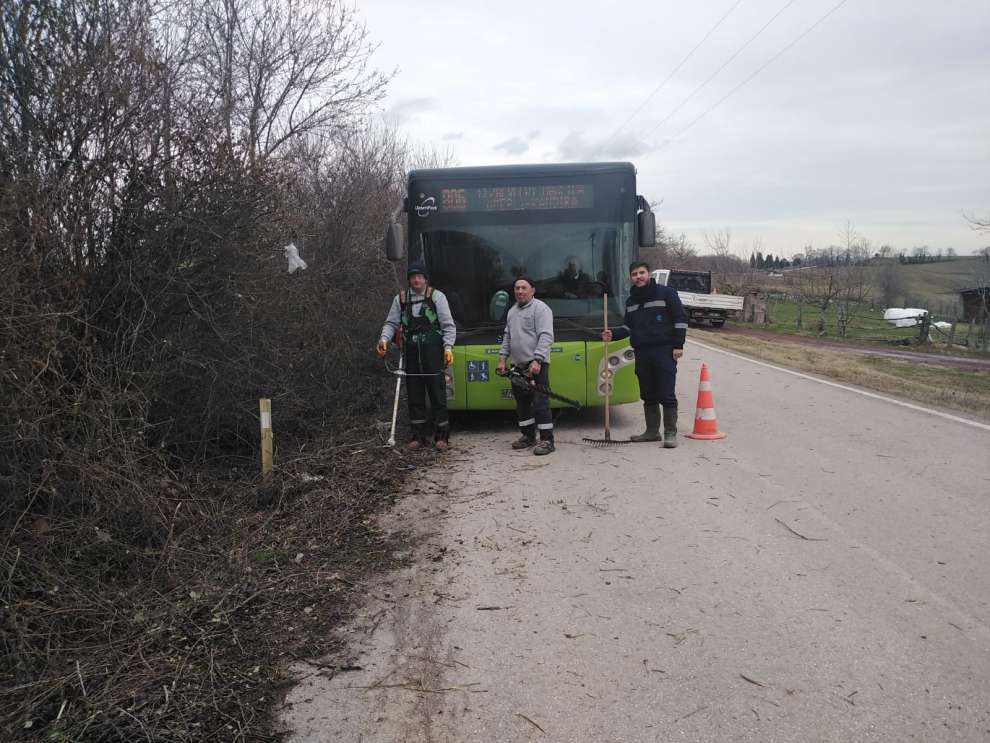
(621, 147)
(513, 146)
(406, 111)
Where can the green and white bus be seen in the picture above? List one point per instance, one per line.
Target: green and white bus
(572, 228)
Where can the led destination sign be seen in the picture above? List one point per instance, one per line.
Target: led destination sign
(517, 198)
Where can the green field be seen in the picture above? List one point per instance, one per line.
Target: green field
(864, 324)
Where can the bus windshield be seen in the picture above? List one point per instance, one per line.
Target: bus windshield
(572, 265)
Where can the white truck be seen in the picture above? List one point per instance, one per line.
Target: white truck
(695, 290)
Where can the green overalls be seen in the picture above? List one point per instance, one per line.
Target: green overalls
(424, 355)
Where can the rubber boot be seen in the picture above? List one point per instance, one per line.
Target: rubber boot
(652, 432)
(418, 440)
(441, 439)
(670, 428)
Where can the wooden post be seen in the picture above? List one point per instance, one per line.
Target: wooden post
(266, 437)
(925, 329)
(952, 335)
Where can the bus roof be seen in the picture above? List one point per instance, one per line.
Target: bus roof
(501, 171)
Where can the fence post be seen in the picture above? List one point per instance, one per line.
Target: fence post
(926, 325)
(952, 335)
(266, 436)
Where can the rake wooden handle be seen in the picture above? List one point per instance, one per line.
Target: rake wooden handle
(608, 379)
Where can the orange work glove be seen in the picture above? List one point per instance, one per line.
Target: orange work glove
(381, 348)
(448, 357)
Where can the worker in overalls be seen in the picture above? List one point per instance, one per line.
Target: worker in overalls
(429, 333)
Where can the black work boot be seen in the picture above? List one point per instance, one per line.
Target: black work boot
(544, 447)
(652, 432)
(670, 428)
(524, 442)
(528, 437)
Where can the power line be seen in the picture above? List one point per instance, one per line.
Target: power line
(672, 73)
(725, 64)
(766, 64)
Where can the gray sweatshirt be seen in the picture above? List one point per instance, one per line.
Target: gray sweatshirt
(528, 333)
(394, 318)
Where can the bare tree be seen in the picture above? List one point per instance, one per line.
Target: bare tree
(279, 69)
(817, 287)
(681, 250)
(854, 289)
(980, 224)
(670, 251)
(431, 156)
(719, 242)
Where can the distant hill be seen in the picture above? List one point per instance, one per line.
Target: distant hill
(944, 278)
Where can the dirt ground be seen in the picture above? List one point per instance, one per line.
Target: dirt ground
(818, 575)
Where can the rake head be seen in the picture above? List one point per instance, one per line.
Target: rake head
(605, 442)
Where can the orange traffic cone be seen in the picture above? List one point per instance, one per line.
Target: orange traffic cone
(705, 425)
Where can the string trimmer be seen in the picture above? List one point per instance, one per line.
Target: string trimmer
(523, 381)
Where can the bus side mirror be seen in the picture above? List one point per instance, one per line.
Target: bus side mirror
(647, 229)
(395, 245)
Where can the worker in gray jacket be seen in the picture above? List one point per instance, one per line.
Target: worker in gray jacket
(429, 333)
(526, 341)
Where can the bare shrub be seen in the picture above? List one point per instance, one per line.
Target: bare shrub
(145, 306)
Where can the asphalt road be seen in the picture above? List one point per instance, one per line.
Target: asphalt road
(822, 574)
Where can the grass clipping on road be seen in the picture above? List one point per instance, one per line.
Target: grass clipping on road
(965, 390)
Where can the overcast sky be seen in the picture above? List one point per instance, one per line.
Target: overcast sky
(880, 115)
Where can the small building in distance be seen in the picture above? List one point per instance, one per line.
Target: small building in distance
(976, 303)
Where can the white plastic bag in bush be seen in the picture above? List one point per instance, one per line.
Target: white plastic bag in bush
(292, 255)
